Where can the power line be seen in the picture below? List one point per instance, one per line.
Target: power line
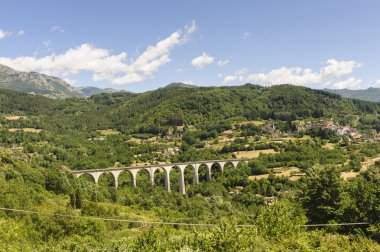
(162, 222)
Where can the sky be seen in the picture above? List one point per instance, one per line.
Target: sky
(143, 45)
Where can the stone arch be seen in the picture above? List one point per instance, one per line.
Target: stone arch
(87, 176)
(176, 177)
(106, 178)
(204, 172)
(191, 174)
(237, 163)
(125, 178)
(229, 165)
(217, 169)
(143, 177)
(159, 177)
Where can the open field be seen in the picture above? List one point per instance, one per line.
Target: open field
(108, 132)
(348, 175)
(329, 146)
(14, 117)
(31, 130)
(364, 166)
(253, 154)
(135, 140)
(255, 122)
(281, 171)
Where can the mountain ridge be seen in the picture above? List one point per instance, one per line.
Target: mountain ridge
(370, 94)
(45, 85)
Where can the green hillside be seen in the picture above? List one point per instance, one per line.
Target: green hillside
(369, 94)
(314, 159)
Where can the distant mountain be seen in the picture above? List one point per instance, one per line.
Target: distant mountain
(180, 85)
(89, 91)
(369, 94)
(42, 84)
(36, 83)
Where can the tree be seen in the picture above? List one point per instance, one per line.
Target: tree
(322, 194)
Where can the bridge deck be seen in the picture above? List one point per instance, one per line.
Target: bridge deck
(158, 165)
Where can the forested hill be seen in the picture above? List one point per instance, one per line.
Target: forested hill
(154, 111)
(203, 106)
(293, 178)
(369, 94)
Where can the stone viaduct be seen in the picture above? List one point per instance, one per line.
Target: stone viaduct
(151, 169)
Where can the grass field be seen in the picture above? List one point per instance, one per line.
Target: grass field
(253, 154)
(329, 146)
(135, 140)
(255, 122)
(31, 130)
(108, 132)
(364, 166)
(14, 117)
(281, 171)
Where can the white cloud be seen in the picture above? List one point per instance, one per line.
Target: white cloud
(222, 62)
(238, 75)
(188, 82)
(201, 61)
(57, 29)
(246, 35)
(327, 75)
(101, 63)
(350, 83)
(20, 33)
(4, 34)
(70, 81)
(47, 43)
(378, 81)
(229, 78)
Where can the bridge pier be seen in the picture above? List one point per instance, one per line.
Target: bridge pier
(167, 168)
(151, 171)
(96, 176)
(196, 175)
(134, 176)
(208, 167)
(167, 178)
(182, 187)
(115, 175)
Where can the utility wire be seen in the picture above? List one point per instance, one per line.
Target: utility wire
(161, 222)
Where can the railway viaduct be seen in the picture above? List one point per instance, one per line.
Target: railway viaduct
(151, 169)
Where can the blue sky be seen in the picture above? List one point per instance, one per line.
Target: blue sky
(143, 45)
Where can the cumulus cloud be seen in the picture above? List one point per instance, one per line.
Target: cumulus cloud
(229, 78)
(47, 43)
(350, 83)
(101, 63)
(57, 29)
(378, 81)
(327, 75)
(246, 35)
(238, 75)
(4, 34)
(222, 62)
(70, 81)
(201, 61)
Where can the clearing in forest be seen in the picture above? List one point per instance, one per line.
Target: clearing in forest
(14, 117)
(253, 154)
(31, 130)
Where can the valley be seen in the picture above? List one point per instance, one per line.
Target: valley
(300, 144)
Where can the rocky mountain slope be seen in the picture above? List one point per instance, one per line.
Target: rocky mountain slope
(42, 84)
(36, 83)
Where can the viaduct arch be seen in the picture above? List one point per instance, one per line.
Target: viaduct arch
(151, 169)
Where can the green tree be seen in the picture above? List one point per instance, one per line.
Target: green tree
(323, 194)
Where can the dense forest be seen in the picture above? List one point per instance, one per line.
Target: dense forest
(314, 159)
